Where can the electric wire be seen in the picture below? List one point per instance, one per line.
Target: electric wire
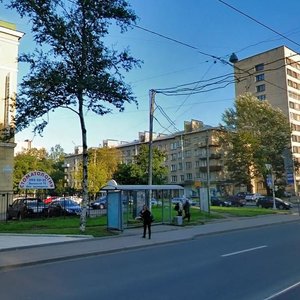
(258, 22)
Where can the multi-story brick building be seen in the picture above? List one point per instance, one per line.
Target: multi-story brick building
(274, 76)
(194, 157)
(9, 44)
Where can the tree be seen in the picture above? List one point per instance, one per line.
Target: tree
(102, 164)
(56, 156)
(257, 134)
(78, 72)
(137, 172)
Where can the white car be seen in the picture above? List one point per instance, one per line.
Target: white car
(155, 202)
(182, 200)
(253, 197)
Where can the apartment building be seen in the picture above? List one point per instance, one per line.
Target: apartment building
(9, 44)
(194, 158)
(274, 76)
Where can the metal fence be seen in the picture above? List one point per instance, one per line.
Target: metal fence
(6, 198)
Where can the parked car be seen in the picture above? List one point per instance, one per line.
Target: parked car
(24, 208)
(49, 199)
(99, 203)
(253, 197)
(182, 200)
(216, 201)
(267, 202)
(236, 200)
(242, 195)
(155, 202)
(62, 207)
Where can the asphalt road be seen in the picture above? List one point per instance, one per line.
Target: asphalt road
(252, 264)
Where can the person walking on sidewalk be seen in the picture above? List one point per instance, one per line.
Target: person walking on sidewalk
(147, 218)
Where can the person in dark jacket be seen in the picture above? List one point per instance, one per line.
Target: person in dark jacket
(186, 208)
(146, 216)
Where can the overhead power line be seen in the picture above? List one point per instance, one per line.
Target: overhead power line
(184, 44)
(260, 23)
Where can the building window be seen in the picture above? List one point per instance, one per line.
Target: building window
(259, 67)
(292, 63)
(260, 77)
(174, 178)
(293, 74)
(173, 168)
(188, 165)
(186, 142)
(293, 84)
(180, 166)
(188, 153)
(261, 97)
(260, 88)
(181, 178)
(189, 176)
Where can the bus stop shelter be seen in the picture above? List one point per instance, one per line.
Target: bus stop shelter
(124, 202)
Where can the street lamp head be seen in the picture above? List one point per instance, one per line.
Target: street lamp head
(233, 58)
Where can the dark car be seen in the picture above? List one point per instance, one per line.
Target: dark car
(99, 203)
(267, 202)
(236, 201)
(62, 207)
(216, 201)
(24, 208)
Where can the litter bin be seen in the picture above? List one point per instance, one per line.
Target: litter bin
(177, 220)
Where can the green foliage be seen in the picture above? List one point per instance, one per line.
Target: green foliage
(257, 134)
(137, 172)
(71, 67)
(102, 164)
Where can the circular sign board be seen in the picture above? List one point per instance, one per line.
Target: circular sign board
(36, 180)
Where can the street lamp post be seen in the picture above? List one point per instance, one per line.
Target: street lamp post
(270, 169)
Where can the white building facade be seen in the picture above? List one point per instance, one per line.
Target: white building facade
(274, 76)
(9, 44)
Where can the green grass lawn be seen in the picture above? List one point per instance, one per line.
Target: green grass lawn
(60, 225)
(98, 226)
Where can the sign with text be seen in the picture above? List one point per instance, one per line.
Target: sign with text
(36, 180)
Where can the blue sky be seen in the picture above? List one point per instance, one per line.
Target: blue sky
(211, 27)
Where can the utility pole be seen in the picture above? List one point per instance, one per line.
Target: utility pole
(208, 170)
(152, 100)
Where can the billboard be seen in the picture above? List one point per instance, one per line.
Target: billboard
(36, 180)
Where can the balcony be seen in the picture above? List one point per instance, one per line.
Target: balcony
(212, 168)
(211, 156)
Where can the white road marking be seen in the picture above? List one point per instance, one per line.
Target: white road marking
(282, 292)
(243, 251)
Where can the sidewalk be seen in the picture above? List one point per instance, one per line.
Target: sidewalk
(18, 250)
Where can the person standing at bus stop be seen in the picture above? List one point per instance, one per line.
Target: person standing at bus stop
(186, 209)
(146, 216)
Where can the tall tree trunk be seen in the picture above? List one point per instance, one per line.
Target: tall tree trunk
(84, 166)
